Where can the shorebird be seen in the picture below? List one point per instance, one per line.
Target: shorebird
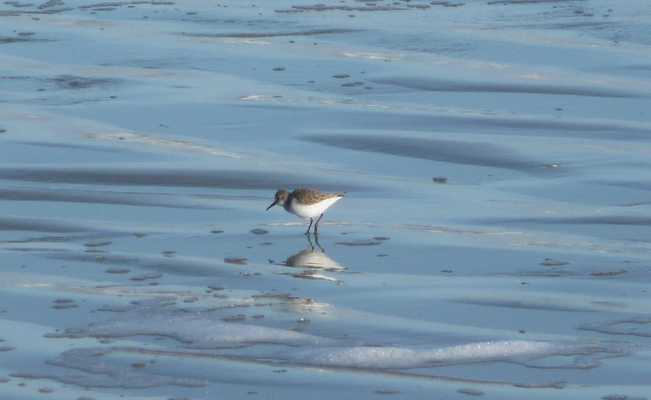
(306, 203)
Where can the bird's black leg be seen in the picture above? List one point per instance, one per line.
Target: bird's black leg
(308, 228)
(317, 224)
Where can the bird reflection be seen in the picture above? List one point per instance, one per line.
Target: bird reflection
(316, 239)
(312, 260)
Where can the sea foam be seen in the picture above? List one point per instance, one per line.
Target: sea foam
(203, 333)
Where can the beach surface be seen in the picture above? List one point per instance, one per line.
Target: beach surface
(494, 239)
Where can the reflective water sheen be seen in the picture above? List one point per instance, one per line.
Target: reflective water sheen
(493, 241)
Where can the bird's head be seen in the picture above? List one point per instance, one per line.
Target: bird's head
(281, 198)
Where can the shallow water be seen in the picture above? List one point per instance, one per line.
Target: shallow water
(493, 241)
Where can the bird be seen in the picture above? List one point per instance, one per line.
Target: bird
(306, 203)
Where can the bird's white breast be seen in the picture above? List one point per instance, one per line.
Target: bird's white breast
(311, 211)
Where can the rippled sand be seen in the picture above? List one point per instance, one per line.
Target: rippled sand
(493, 241)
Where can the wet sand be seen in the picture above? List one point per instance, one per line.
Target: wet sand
(493, 241)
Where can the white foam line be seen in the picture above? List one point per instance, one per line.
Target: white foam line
(154, 141)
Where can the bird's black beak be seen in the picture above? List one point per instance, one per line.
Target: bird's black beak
(272, 204)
